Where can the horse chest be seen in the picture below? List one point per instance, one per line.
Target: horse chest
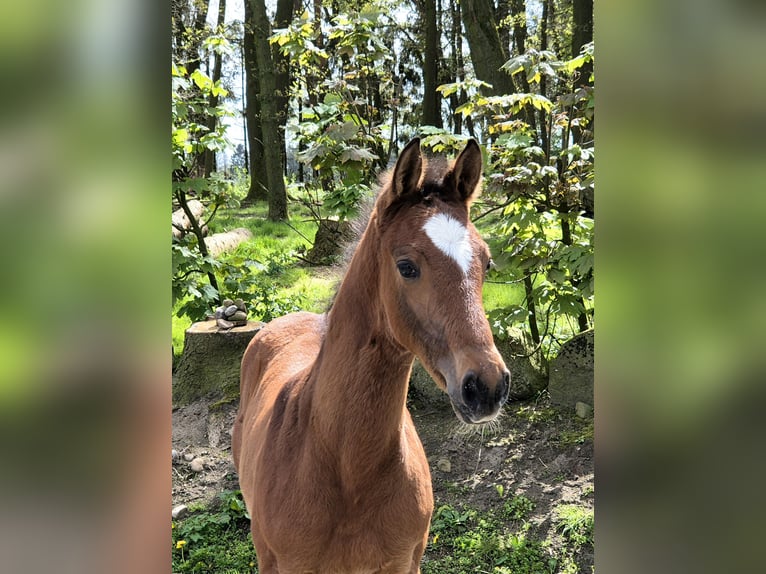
(328, 518)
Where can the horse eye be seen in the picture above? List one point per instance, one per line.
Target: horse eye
(408, 269)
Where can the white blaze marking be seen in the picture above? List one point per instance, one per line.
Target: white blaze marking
(451, 237)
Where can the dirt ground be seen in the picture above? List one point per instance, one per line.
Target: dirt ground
(535, 450)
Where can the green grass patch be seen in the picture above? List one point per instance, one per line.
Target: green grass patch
(215, 539)
(575, 524)
(463, 539)
(502, 295)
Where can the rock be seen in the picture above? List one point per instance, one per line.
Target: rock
(224, 324)
(174, 455)
(583, 410)
(227, 303)
(188, 457)
(525, 361)
(219, 313)
(211, 360)
(444, 465)
(197, 465)
(571, 372)
(230, 310)
(238, 316)
(179, 511)
(240, 304)
(558, 464)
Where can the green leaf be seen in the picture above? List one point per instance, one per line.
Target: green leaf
(357, 154)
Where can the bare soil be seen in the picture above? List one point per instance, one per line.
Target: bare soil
(534, 449)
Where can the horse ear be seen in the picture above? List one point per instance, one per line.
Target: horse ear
(409, 168)
(466, 172)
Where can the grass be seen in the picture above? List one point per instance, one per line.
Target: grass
(575, 523)
(462, 539)
(214, 539)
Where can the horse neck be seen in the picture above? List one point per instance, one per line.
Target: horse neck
(362, 373)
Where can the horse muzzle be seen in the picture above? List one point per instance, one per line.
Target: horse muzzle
(478, 400)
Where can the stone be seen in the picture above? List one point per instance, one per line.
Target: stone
(219, 313)
(240, 304)
(224, 324)
(238, 316)
(230, 310)
(571, 372)
(179, 511)
(188, 457)
(197, 465)
(444, 465)
(583, 410)
(174, 455)
(227, 303)
(525, 361)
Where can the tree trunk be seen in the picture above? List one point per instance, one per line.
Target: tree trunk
(431, 109)
(209, 155)
(210, 364)
(269, 112)
(502, 12)
(282, 19)
(456, 41)
(487, 53)
(193, 58)
(531, 308)
(582, 33)
(519, 13)
(259, 186)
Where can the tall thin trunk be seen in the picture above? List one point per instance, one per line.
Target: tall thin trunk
(209, 155)
(519, 13)
(282, 19)
(457, 45)
(544, 133)
(431, 112)
(193, 55)
(502, 12)
(582, 33)
(531, 307)
(269, 113)
(259, 185)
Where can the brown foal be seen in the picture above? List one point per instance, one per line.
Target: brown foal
(330, 465)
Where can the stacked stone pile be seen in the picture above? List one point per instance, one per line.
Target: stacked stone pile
(233, 313)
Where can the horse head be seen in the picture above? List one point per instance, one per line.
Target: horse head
(432, 265)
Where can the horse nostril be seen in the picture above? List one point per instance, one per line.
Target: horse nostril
(471, 389)
(502, 390)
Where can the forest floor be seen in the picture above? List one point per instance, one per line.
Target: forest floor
(516, 496)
